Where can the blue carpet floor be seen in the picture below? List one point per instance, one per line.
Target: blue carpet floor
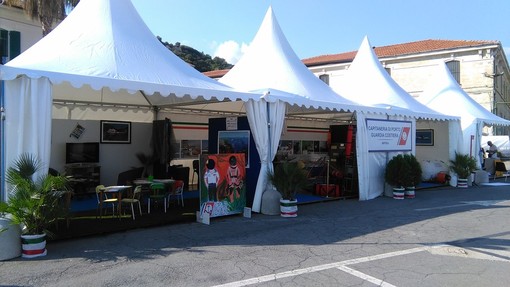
(89, 202)
(309, 198)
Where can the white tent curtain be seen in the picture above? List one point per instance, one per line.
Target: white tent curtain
(457, 142)
(28, 104)
(478, 143)
(365, 180)
(265, 141)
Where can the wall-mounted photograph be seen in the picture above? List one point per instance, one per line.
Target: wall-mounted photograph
(235, 142)
(425, 137)
(115, 132)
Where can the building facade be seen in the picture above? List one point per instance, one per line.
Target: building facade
(480, 67)
(17, 32)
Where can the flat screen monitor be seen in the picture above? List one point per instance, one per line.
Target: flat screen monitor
(82, 152)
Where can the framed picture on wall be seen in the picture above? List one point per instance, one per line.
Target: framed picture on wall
(425, 137)
(115, 132)
(235, 142)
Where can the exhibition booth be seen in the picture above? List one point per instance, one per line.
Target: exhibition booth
(69, 83)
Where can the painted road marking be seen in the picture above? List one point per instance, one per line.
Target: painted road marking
(463, 203)
(365, 277)
(338, 265)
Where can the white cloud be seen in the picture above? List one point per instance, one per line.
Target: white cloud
(231, 51)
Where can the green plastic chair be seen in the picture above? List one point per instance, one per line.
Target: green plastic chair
(157, 193)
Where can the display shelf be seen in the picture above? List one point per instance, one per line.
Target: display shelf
(84, 176)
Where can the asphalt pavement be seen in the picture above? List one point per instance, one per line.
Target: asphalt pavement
(443, 237)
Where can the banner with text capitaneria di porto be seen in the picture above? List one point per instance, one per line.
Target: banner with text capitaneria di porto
(389, 135)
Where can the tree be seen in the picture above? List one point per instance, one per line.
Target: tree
(45, 11)
(200, 61)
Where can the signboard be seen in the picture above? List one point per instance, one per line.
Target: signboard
(389, 135)
(223, 185)
(231, 123)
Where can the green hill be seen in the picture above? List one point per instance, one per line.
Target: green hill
(200, 61)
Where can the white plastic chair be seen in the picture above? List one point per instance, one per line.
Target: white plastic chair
(113, 201)
(135, 198)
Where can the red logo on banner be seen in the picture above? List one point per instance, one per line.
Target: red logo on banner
(404, 136)
(208, 208)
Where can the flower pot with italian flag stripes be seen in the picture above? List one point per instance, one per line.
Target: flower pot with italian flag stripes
(288, 208)
(33, 245)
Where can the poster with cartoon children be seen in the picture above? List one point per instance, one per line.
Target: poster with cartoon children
(223, 185)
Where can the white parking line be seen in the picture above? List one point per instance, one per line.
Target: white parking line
(339, 265)
(485, 203)
(365, 277)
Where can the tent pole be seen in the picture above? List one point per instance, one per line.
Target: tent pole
(3, 194)
(269, 160)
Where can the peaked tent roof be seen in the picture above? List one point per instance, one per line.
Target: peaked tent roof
(443, 92)
(271, 64)
(115, 50)
(367, 82)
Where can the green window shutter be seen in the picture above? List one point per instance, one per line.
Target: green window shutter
(4, 44)
(14, 44)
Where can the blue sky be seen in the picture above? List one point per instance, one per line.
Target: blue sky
(317, 27)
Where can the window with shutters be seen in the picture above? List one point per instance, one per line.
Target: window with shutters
(454, 67)
(324, 78)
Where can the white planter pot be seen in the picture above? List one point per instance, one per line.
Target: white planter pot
(270, 205)
(10, 240)
(33, 245)
(288, 208)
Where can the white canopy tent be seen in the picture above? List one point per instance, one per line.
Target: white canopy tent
(270, 63)
(113, 64)
(443, 92)
(367, 82)
(111, 67)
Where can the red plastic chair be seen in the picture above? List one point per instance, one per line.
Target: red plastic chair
(178, 192)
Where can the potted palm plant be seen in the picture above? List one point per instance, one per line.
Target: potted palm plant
(413, 176)
(463, 165)
(288, 178)
(396, 174)
(34, 203)
(147, 160)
